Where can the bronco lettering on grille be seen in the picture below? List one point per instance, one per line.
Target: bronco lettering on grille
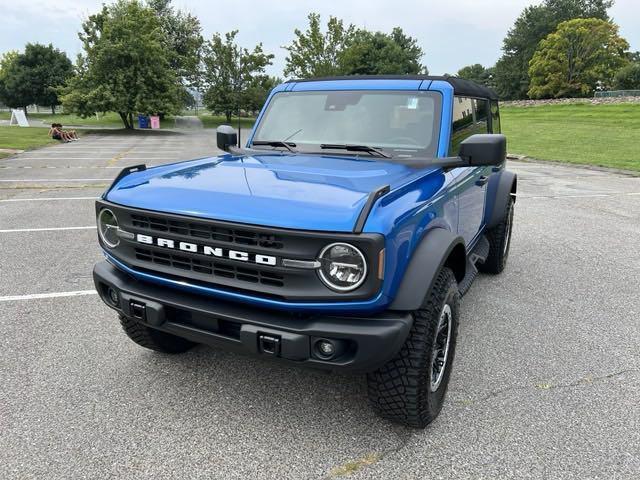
(208, 250)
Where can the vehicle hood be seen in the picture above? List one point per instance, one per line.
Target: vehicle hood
(309, 192)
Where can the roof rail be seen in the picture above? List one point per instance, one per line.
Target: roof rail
(460, 86)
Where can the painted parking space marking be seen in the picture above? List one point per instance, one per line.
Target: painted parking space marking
(33, 180)
(51, 167)
(50, 229)
(64, 157)
(50, 187)
(36, 296)
(586, 195)
(155, 156)
(46, 199)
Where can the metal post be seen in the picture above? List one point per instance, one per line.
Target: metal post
(238, 98)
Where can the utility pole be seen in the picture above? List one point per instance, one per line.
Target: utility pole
(239, 86)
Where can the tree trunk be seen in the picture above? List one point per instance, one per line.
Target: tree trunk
(53, 109)
(228, 115)
(25, 111)
(131, 120)
(125, 120)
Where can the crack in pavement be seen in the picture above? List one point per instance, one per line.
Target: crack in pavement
(405, 435)
(117, 157)
(548, 386)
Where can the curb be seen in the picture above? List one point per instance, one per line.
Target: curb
(596, 168)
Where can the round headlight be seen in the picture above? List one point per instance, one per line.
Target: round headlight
(342, 267)
(108, 228)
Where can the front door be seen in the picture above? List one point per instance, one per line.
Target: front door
(470, 116)
(471, 187)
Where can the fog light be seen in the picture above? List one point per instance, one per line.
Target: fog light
(326, 348)
(113, 296)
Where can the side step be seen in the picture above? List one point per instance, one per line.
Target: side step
(479, 254)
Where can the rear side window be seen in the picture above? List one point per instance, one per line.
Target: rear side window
(470, 116)
(495, 118)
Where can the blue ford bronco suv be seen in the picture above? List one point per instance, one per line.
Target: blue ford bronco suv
(340, 236)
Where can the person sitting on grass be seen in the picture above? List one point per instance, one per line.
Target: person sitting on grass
(57, 133)
(71, 134)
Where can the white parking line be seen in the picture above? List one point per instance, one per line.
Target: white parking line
(35, 296)
(586, 195)
(28, 180)
(52, 229)
(65, 167)
(47, 199)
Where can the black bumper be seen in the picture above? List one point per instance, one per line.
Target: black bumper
(361, 343)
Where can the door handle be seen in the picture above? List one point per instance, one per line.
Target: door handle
(482, 180)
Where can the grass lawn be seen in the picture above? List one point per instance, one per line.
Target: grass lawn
(109, 119)
(213, 121)
(20, 138)
(602, 135)
(112, 119)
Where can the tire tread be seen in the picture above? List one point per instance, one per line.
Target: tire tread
(153, 339)
(496, 260)
(400, 389)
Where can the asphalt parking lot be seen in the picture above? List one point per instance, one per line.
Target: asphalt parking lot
(546, 380)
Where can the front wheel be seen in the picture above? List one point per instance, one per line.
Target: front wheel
(411, 387)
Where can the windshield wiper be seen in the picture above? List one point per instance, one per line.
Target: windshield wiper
(355, 148)
(276, 143)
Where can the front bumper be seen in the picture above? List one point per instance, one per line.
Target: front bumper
(362, 343)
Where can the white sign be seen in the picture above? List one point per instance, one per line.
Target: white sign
(18, 118)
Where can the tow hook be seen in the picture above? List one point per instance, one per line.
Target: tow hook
(138, 310)
(269, 344)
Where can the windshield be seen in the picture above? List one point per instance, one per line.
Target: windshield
(402, 123)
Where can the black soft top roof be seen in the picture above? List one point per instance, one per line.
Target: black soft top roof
(460, 85)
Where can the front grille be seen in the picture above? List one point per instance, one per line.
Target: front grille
(219, 270)
(207, 232)
(206, 267)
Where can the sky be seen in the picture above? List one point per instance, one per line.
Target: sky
(452, 33)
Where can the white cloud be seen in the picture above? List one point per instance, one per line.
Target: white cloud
(453, 33)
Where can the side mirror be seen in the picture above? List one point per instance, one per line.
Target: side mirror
(226, 137)
(484, 150)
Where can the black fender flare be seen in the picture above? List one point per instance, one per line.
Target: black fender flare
(437, 248)
(501, 187)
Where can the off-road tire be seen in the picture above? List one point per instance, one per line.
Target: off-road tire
(154, 339)
(401, 389)
(499, 243)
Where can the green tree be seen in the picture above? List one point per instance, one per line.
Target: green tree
(46, 69)
(183, 34)
(378, 53)
(13, 83)
(533, 25)
(230, 69)
(255, 94)
(477, 73)
(581, 55)
(628, 78)
(125, 67)
(33, 76)
(316, 54)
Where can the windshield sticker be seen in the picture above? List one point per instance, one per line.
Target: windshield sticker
(412, 103)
